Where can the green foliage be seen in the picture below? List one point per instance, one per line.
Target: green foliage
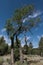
(19, 63)
(16, 54)
(41, 46)
(8, 60)
(30, 45)
(25, 49)
(17, 21)
(1, 61)
(23, 12)
(9, 27)
(3, 46)
(9, 49)
(17, 50)
(15, 25)
(30, 48)
(20, 14)
(35, 51)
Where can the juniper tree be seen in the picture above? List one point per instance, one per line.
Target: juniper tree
(16, 26)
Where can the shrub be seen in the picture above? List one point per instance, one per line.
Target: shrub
(16, 55)
(1, 61)
(8, 60)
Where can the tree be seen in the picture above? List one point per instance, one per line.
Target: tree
(10, 31)
(35, 51)
(25, 46)
(30, 47)
(3, 46)
(17, 21)
(25, 49)
(19, 15)
(41, 46)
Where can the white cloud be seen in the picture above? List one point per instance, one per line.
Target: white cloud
(38, 37)
(42, 35)
(0, 35)
(3, 30)
(34, 15)
(28, 37)
(7, 40)
(25, 20)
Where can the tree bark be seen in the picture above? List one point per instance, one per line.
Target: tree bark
(12, 53)
(20, 49)
(21, 55)
(12, 57)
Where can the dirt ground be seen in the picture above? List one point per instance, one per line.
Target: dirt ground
(31, 59)
(34, 59)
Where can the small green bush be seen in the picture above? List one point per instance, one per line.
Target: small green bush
(1, 61)
(9, 61)
(18, 63)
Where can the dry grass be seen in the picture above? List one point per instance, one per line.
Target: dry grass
(34, 59)
(31, 59)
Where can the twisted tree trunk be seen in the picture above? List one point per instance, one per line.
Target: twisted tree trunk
(21, 55)
(12, 53)
(20, 49)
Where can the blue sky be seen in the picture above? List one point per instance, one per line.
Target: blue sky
(7, 7)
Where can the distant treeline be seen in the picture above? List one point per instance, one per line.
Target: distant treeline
(26, 49)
